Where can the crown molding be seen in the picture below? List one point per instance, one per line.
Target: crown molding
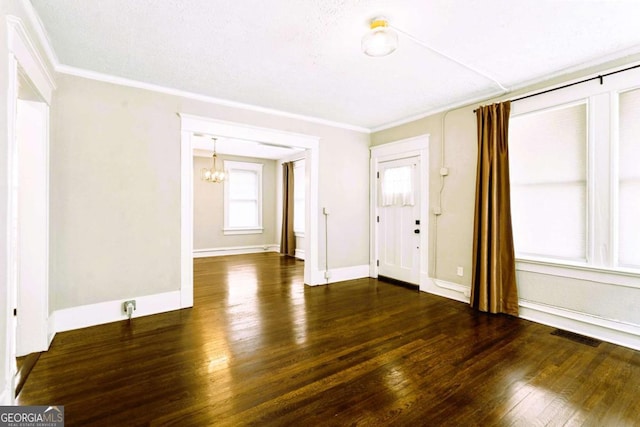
(92, 75)
(612, 62)
(428, 113)
(41, 33)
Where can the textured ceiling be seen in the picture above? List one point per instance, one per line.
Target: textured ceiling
(303, 56)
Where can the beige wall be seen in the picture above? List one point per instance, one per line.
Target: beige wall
(115, 195)
(208, 208)
(115, 189)
(454, 229)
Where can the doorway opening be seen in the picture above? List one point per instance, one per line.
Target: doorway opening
(192, 126)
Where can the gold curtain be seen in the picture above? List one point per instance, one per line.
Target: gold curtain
(288, 238)
(493, 285)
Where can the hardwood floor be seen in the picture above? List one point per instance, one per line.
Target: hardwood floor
(260, 348)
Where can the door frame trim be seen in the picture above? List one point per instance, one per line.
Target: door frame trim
(24, 61)
(410, 147)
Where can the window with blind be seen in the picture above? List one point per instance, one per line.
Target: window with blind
(548, 172)
(628, 180)
(243, 198)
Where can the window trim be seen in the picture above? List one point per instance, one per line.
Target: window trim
(229, 166)
(618, 276)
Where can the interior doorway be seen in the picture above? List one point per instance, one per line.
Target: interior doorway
(194, 125)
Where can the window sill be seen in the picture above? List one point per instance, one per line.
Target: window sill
(252, 230)
(620, 277)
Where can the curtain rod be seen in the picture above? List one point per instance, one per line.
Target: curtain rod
(598, 77)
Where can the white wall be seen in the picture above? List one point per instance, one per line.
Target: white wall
(208, 208)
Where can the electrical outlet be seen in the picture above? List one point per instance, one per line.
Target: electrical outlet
(460, 271)
(126, 304)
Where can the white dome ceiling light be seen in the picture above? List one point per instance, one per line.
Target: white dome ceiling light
(380, 40)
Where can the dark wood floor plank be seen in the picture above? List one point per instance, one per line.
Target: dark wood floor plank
(260, 348)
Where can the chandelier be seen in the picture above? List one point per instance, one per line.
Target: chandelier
(214, 174)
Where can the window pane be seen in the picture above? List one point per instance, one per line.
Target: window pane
(397, 186)
(629, 180)
(548, 158)
(243, 185)
(243, 214)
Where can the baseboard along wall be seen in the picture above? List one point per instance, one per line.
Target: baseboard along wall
(613, 331)
(235, 250)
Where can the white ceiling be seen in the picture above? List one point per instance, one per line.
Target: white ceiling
(304, 57)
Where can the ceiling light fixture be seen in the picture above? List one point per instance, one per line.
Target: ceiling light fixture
(380, 40)
(214, 174)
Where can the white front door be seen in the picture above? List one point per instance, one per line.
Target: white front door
(399, 219)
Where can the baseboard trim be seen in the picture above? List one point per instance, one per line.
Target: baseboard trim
(445, 289)
(111, 311)
(613, 331)
(341, 274)
(235, 250)
(299, 254)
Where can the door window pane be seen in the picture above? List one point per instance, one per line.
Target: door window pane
(396, 186)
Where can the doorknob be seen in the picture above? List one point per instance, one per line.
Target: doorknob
(417, 231)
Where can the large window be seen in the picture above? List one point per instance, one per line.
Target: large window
(629, 180)
(243, 198)
(299, 197)
(575, 180)
(548, 167)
